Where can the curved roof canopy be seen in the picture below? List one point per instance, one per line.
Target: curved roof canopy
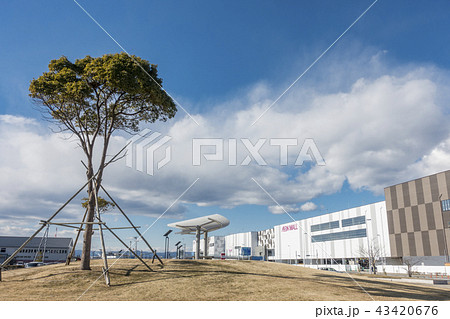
(206, 224)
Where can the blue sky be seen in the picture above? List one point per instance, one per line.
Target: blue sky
(225, 62)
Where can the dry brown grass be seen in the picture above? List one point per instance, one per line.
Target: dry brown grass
(204, 280)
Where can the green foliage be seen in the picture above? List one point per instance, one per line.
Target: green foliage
(103, 204)
(100, 95)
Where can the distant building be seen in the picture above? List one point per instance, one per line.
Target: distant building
(266, 244)
(216, 246)
(235, 242)
(56, 249)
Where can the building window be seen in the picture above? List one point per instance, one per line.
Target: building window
(446, 205)
(3, 250)
(354, 221)
(358, 233)
(325, 226)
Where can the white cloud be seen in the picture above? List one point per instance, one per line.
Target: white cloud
(275, 209)
(380, 130)
(308, 206)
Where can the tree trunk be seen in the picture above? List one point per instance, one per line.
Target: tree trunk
(87, 238)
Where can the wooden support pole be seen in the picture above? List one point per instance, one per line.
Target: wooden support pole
(60, 224)
(132, 225)
(102, 240)
(115, 228)
(129, 248)
(70, 256)
(7, 261)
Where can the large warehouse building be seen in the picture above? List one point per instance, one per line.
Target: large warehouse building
(336, 238)
(409, 227)
(47, 249)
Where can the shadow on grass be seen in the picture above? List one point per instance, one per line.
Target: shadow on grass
(379, 288)
(189, 273)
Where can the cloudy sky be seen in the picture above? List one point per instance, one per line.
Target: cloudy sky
(375, 105)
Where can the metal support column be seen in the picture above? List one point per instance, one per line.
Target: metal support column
(197, 243)
(205, 246)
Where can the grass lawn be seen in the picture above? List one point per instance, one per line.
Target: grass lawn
(204, 280)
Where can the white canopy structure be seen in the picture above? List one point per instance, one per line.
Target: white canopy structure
(201, 224)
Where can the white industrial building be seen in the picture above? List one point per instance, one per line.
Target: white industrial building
(337, 238)
(48, 249)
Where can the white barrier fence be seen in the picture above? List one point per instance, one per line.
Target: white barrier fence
(429, 271)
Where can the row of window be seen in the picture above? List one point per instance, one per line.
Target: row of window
(335, 224)
(446, 205)
(325, 226)
(354, 221)
(358, 233)
(51, 251)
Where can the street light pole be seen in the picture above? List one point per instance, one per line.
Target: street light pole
(178, 249)
(166, 246)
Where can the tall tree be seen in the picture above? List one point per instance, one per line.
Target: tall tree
(94, 97)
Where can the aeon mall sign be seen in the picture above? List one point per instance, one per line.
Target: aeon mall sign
(289, 227)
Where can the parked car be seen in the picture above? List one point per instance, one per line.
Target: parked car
(34, 264)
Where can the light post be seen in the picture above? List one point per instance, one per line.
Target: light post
(166, 246)
(176, 245)
(180, 252)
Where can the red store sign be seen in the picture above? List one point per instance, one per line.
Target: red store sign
(289, 227)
